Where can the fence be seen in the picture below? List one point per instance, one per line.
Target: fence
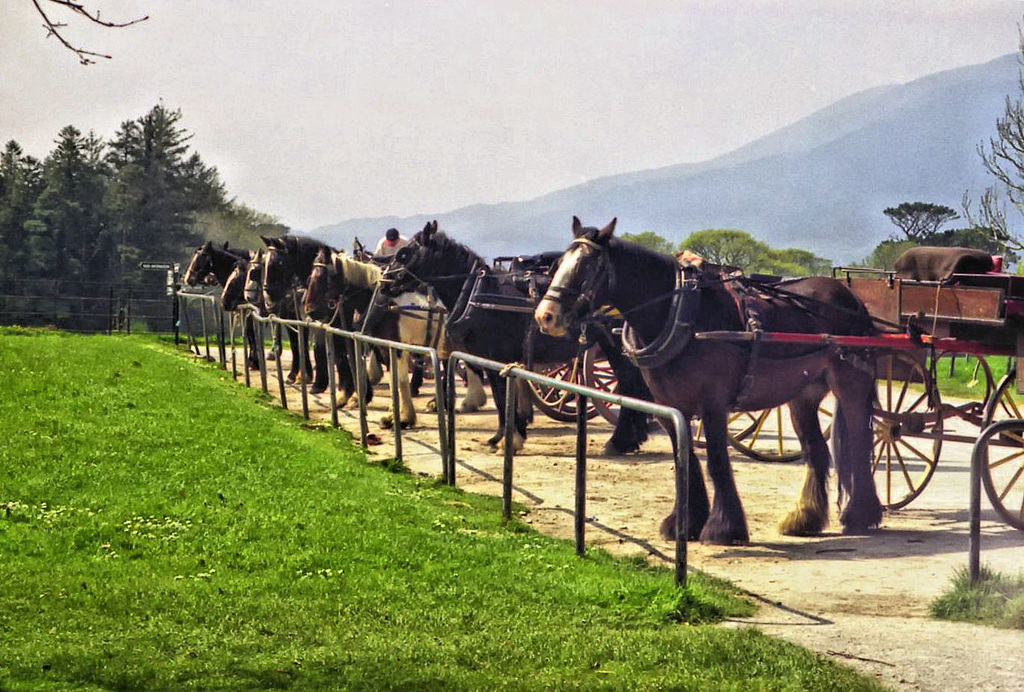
(444, 393)
(979, 459)
(88, 306)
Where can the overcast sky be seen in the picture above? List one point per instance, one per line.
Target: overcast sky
(320, 111)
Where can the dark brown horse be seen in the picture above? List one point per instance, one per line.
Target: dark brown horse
(666, 306)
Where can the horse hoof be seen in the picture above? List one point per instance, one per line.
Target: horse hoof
(408, 424)
(317, 389)
(802, 523)
(387, 423)
(431, 406)
(612, 450)
(722, 533)
(290, 379)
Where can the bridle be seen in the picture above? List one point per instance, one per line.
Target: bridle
(584, 297)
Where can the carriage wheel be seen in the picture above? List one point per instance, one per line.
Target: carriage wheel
(767, 435)
(558, 403)
(1003, 474)
(908, 429)
(598, 373)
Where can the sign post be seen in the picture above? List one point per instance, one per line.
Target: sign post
(173, 270)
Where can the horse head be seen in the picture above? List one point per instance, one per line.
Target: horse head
(580, 281)
(278, 270)
(254, 280)
(322, 289)
(233, 293)
(200, 267)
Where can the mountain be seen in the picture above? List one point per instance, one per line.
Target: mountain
(819, 184)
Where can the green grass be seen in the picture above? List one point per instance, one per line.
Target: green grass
(967, 380)
(996, 600)
(164, 528)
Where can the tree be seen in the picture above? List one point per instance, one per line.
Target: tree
(77, 8)
(651, 241)
(728, 247)
(886, 253)
(20, 185)
(919, 220)
(159, 189)
(70, 218)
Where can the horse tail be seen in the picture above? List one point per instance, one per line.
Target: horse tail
(845, 455)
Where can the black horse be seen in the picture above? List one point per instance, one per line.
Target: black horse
(287, 264)
(667, 305)
(507, 336)
(211, 264)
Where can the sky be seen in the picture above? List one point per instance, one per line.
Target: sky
(318, 112)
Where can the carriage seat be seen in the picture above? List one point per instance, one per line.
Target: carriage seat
(941, 263)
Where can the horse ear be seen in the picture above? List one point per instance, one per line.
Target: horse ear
(606, 232)
(225, 245)
(267, 241)
(577, 227)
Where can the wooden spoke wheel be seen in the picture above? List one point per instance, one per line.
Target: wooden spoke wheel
(908, 429)
(1003, 473)
(558, 403)
(767, 435)
(598, 373)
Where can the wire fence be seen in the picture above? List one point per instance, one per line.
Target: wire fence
(88, 306)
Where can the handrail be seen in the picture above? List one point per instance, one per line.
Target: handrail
(681, 448)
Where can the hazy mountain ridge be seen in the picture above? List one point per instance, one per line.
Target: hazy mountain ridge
(820, 183)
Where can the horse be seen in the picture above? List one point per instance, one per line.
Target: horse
(253, 293)
(287, 264)
(666, 305)
(211, 264)
(413, 318)
(232, 297)
(507, 336)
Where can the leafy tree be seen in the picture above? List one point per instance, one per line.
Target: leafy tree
(20, 185)
(919, 221)
(730, 247)
(793, 262)
(651, 241)
(70, 219)
(158, 189)
(239, 225)
(886, 253)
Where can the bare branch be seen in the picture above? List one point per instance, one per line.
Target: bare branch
(85, 57)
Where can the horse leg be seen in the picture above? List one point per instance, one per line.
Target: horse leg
(293, 346)
(400, 378)
(498, 394)
(416, 379)
(254, 345)
(854, 388)
(726, 524)
(697, 499)
(811, 514)
(320, 376)
(631, 428)
(374, 370)
(475, 397)
(344, 353)
(524, 413)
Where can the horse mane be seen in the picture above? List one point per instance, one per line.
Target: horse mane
(354, 272)
(447, 255)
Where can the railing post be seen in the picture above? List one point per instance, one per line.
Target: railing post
(246, 316)
(449, 393)
(332, 377)
(303, 354)
(396, 414)
(681, 462)
(510, 430)
(221, 345)
(234, 351)
(360, 373)
(206, 333)
(581, 474)
(280, 368)
(261, 335)
(441, 404)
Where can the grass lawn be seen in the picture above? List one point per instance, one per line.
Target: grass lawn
(997, 600)
(164, 528)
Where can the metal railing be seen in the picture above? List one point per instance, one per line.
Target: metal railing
(979, 459)
(681, 448)
(444, 393)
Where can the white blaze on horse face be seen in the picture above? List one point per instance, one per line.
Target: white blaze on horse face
(190, 273)
(549, 315)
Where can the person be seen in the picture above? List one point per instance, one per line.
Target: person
(391, 243)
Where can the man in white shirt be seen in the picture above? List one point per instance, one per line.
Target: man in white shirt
(391, 243)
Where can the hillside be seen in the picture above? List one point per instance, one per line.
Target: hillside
(820, 183)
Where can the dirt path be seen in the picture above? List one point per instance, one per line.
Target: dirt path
(861, 600)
